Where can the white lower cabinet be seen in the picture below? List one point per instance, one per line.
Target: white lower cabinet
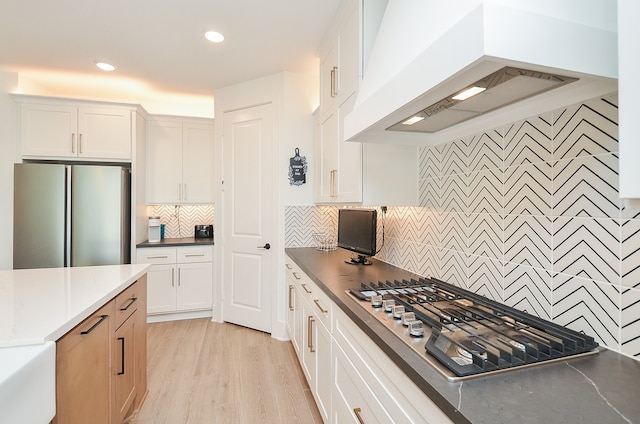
(180, 279)
(310, 331)
(352, 379)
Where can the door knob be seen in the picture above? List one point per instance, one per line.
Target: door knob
(266, 246)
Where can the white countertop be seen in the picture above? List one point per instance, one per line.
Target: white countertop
(39, 305)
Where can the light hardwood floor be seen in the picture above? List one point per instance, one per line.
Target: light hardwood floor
(205, 372)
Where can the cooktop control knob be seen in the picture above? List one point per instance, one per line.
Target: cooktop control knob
(388, 305)
(398, 311)
(415, 329)
(407, 317)
(376, 301)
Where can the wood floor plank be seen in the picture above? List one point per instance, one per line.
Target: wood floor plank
(205, 372)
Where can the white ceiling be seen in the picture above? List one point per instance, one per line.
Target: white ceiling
(157, 45)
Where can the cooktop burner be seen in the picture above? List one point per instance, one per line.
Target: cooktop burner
(467, 333)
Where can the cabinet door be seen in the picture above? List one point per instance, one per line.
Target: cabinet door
(48, 130)
(104, 133)
(309, 345)
(323, 370)
(197, 163)
(161, 289)
(349, 178)
(164, 162)
(353, 401)
(349, 54)
(83, 370)
(329, 78)
(291, 311)
(125, 367)
(327, 160)
(195, 289)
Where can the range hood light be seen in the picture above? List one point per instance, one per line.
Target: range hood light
(469, 92)
(413, 120)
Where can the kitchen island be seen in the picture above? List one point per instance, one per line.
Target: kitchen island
(44, 312)
(598, 388)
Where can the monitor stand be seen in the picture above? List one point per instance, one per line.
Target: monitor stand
(360, 260)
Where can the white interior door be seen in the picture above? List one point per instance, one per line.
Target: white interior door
(248, 191)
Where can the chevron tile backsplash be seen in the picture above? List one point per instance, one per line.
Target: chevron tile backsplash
(527, 214)
(180, 220)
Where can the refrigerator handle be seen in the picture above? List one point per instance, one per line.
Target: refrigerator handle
(67, 219)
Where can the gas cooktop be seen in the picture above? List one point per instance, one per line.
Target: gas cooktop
(465, 335)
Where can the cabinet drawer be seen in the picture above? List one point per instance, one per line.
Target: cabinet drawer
(195, 254)
(127, 303)
(317, 299)
(157, 255)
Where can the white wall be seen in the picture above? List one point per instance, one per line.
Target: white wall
(293, 98)
(8, 155)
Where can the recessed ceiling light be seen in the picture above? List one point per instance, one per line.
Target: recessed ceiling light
(105, 66)
(214, 36)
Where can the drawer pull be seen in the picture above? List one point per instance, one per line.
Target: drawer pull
(173, 277)
(191, 255)
(288, 266)
(358, 416)
(295, 274)
(121, 372)
(323, 310)
(158, 257)
(132, 301)
(93, 327)
(290, 296)
(304, 286)
(310, 322)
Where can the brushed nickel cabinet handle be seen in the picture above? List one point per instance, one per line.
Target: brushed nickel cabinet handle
(332, 183)
(158, 257)
(296, 275)
(334, 85)
(304, 286)
(73, 142)
(310, 321)
(179, 279)
(288, 266)
(80, 142)
(290, 296)
(190, 255)
(358, 416)
(323, 310)
(173, 281)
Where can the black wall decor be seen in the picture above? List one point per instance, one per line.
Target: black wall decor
(297, 169)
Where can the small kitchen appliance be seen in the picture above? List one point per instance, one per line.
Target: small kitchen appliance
(203, 231)
(154, 229)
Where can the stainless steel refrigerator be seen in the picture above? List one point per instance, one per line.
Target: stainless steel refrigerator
(71, 215)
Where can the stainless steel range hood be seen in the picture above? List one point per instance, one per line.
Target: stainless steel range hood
(544, 54)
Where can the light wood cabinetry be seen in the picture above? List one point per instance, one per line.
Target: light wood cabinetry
(101, 363)
(83, 370)
(180, 279)
(63, 130)
(180, 159)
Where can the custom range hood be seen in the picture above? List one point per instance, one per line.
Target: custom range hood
(528, 57)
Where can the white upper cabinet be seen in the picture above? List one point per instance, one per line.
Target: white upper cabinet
(629, 89)
(61, 130)
(347, 172)
(180, 159)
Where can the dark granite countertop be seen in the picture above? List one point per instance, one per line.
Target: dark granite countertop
(173, 242)
(602, 388)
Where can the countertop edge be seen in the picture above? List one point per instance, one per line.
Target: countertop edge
(177, 242)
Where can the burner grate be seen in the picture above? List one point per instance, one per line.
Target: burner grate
(471, 334)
